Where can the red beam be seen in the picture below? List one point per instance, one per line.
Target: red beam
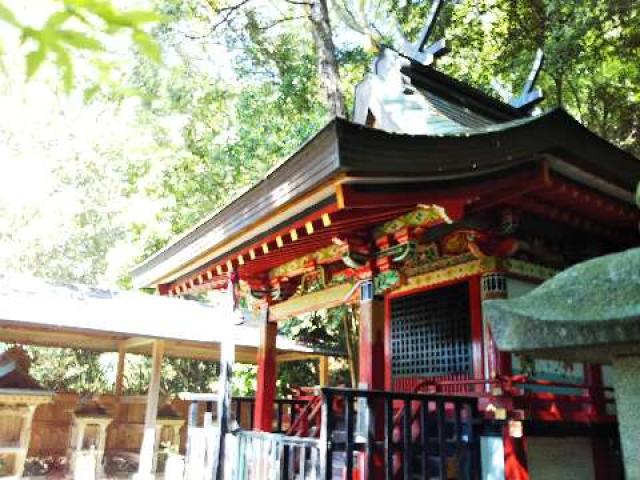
(266, 378)
(592, 202)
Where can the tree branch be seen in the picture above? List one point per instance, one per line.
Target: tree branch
(299, 2)
(281, 20)
(228, 12)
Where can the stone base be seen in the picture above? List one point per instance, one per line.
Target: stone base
(627, 390)
(143, 476)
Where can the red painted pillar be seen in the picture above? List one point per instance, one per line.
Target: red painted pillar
(477, 340)
(599, 445)
(515, 454)
(371, 345)
(267, 374)
(593, 378)
(371, 359)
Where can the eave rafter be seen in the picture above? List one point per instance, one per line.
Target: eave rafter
(214, 274)
(581, 208)
(593, 203)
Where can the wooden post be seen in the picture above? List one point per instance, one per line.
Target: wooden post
(599, 444)
(147, 450)
(371, 371)
(227, 358)
(515, 455)
(323, 371)
(371, 342)
(25, 437)
(267, 374)
(493, 285)
(122, 354)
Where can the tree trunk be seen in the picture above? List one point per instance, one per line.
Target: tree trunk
(349, 322)
(329, 69)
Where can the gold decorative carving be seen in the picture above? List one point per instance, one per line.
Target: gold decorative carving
(300, 265)
(466, 266)
(528, 269)
(423, 216)
(321, 299)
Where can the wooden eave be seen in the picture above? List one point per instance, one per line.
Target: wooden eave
(343, 158)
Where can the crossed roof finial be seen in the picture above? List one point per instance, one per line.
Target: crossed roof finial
(530, 96)
(421, 50)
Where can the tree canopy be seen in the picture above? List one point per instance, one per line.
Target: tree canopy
(224, 90)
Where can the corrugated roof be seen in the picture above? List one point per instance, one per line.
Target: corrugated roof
(111, 316)
(460, 95)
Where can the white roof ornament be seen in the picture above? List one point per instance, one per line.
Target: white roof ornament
(530, 96)
(386, 98)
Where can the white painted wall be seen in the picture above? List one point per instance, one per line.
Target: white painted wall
(563, 458)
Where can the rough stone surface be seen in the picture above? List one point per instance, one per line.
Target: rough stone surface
(591, 309)
(627, 388)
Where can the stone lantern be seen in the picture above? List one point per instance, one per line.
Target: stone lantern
(20, 396)
(88, 440)
(588, 313)
(168, 425)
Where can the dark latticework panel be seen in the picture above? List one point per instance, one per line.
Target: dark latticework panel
(430, 333)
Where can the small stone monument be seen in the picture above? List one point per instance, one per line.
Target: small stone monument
(588, 313)
(168, 425)
(88, 439)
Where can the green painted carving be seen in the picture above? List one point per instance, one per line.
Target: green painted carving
(385, 281)
(439, 263)
(354, 260)
(400, 253)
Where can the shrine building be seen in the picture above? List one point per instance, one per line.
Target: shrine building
(436, 198)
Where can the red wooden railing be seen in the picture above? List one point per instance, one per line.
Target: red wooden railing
(539, 398)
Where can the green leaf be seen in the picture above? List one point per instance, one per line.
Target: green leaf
(107, 13)
(8, 16)
(80, 40)
(147, 45)
(56, 20)
(139, 17)
(91, 92)
(34, 60)
(63, 61)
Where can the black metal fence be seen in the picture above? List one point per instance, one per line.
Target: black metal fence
(396, 435)
(368, 434)
(286, 411)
